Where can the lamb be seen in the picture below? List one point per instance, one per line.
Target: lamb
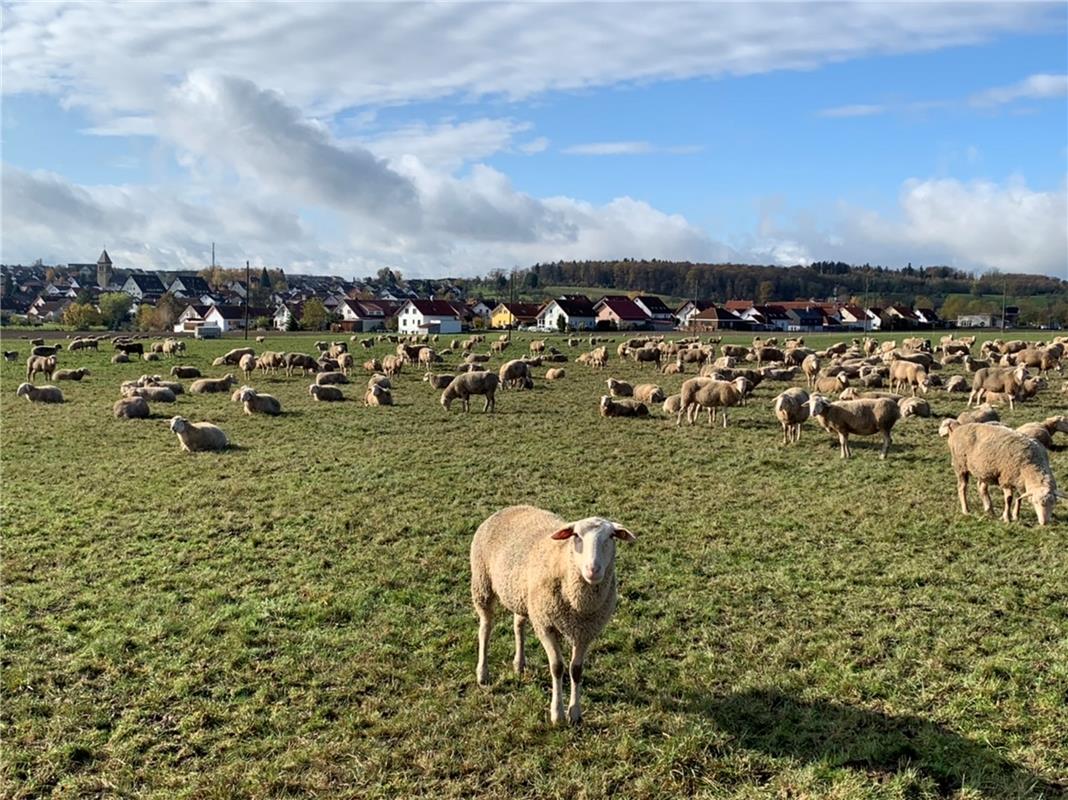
(39, 394)
(983, 413)
(649, 393)
(70, 374)
(1011, 460)
(996, 379)
(859, 417)
(1043, 431)
(255, 403)
(557, 575)
(331, 378)
(554, 374)
(131, 408)
(514, 374)
(325, 394)
(198, 436)
(625, 407)
(185, 372)
(791, 409)
(11, 355)
(619, 388)
(674, 368)
(247, 365)
(470, 383)
(710, 394)
(377, 395)
(438, 381)
(43, 364)
(210, 385)
(826, 385)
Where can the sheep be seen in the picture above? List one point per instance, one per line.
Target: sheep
(174, 346)
(1030, 387)
(610, 407)
(82, 344)
(301, 361)
(983, 413)
(120, 358)
(554, 374)
(380, 380)
(996, 379)
(198, 436)
(1043, 431)
(514, 374)
(377, 395)
(908, 373)
(247, 365)
(499, 347)
(46, 365)
(261, 339)
(233, 357)
(558, 575)
(470, 368)
(439, 381)
(325, 394)
(346, 362)
(619, 388)
(45, 351)
(710, 394)
(392, 365)
(156, 380)
(827, 384)
(39, 394)
(860, 417)
(210, 385)
(331, 378)
(70, 374)
(131, 408)
(956, 384)
(914, 407)
(372, 365)
(11, 355)
(270, 362)
(255, 403)
(537, 346)
(974, 364)
(791, 409)
(326, 364)
(157, 394)
(672, 404)
(1009, 459)
(649, 393)
(469, 383)
(674, 368)
(646, 355)
(322, 347)
(36, 342)
(185, 372)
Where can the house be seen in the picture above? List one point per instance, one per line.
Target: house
(428, 316)
(659, 314)
(874, 317)
(1012, 316)
(284, 313)
(621, 313)
(805, 319)
(139, 284)
(717, 318)
(979, 321)
(481, 308)
(853, 316)
(685, 313)
(568, 312)
(772, 316)
(927, 316)
(191, 318)
(189, 286)
(232, 318)
(48, 310)
(901, 317)
(512, 315)
(738, 306)
(362, 315)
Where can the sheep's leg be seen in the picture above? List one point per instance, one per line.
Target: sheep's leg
(785, 433)
(519, 624)
(1011, 508)
(578, 657)
(984, 495)
(962, 491)
(843, 445)
(886, 445)
(550, 640)
(724, 412)
(485, 625)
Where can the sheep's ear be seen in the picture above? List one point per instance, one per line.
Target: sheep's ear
(563, 533)
(622, 533)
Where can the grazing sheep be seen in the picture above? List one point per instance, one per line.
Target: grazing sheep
(331, 378)
(514, 374)
(829, 384)
(554, 374)
(438, 381)
(996, 379)
(471, 383)
(42, 350)
(211, 385)
(185, 372)
(247, 365)
(619, 388)
(256, 403)
(270, 362)
(70, 374)
(859, 417)
(647, 355)
(914, 407)
(625, 407)
(377, 395)
(709, 394)
(672, 405)
(392, 365)
(131, 408)
(46, 365)
(649, 393)
(1015, 462)
(907, 373)
(325, 394)
(557, 575)
(83, 344)
(39, 394)
(11, 355)
(301, 361)
(791, 409)
(198, 436)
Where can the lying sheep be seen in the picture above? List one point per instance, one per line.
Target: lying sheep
(185, 372)
(234, 356)
(331, 378)
(70, 374)
(325, 394)
(557, 575)
(120, 358)
(1043, 431)
(956, 384)
(372, 365)
(914, 407)
(255, 403)
(39, 394)
(622, 408)
(150, 356)
(791, 409)
(649, 393)
(131, 408)
(554, 374)
(983, 413)
(830, 384)
(380, 380)
(465, 385)
(858, 417)
(211, 385)
(377, 395)
(157, 394)
(11, 355)
(619, 388)
(198, 436)
(994, 454)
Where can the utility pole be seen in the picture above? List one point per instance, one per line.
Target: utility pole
(248, 291)
(1004, 292)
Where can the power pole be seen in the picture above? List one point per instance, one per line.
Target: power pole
(248, 291)
(1004, 292)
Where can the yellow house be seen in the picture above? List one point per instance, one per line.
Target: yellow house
(512, 315)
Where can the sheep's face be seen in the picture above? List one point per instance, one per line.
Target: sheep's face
(816, 405)
(179, 425)
(593, 546)
(23, 390)
(1043, 501)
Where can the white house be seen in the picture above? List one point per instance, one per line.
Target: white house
(690, 309)
(428, 316)
(575, 310)
(232, 318)
(140, 284)
(191, 318)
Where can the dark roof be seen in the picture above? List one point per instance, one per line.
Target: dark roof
(806, 316)
(576, 305)
(772, 311)
(238, 312)
(147, 282)
(700, 305)
(624, 308)
(193, 284)
(717, 312)
(435, 308)
(104, 258)
(653, 304)
(522, 310)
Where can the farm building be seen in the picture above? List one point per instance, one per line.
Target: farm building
(428, 316)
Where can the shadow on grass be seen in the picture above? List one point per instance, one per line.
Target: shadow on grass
(823, 731)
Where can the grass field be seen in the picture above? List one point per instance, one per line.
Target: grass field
(291, 618)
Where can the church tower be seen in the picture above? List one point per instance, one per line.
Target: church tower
(103, 270)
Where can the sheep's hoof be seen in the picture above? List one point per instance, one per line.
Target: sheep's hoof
(574, 715)
(483, 677)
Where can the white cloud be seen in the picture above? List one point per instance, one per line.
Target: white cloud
(538, 145)
(448, 145)
(859, 110)
(1035, 87)
(627, 149)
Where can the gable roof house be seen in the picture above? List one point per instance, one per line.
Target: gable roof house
(284, 312)
(685, 313)
(659, 314)
(927, 316)
(620, 312)
(140, 284)
(232, 318)
(428, 316)
(771, 316)
(191, 318)
(804, 319)
(853, 317)
(48, 310)
(189, 286)
(362, 315)
(717, 318)
(575, 311)
(512, 315)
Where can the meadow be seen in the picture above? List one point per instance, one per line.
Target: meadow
(291, 618)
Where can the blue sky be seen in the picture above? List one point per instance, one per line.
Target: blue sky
(763, 133)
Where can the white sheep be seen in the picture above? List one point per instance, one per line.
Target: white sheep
(131, 408)
(791, 409)
(198, 436)
(377, 395)
(860, 417)
(325, 394)
(622, 407)
(39, 394)
(557, 575)
(649, 393)
(256, 403)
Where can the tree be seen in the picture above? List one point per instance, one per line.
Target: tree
(764, 292)
(114, 307)
(314, 316)
(145, 319)
(81, 316)
(561, 323)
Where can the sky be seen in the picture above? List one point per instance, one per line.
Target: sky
(454, 139)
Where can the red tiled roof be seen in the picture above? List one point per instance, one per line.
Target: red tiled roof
(624, 308)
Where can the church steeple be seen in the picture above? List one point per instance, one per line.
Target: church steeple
(103, 270)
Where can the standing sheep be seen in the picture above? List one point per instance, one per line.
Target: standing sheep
(471, 383)
(710, 394)
(247, 365)
(514, 374)
(791, 409)
(559, 576)
(198, 436)
(46, 365)
(859, 417)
